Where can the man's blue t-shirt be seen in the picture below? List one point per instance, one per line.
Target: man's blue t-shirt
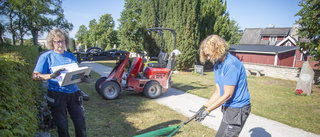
(51, 59)
(232, 72)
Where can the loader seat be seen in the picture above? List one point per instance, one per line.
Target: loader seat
(162, 61)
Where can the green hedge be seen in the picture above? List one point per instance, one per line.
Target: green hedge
(18, 92)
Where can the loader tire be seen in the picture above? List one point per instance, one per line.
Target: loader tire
(152, 90)
(110, 90)
(98, 83)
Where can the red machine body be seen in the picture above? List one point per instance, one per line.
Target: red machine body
(159, 74)
(152, 80)
(138, 79)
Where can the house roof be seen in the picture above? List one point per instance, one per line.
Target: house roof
(275, 32)
(251, 36)
(289, 38)
(261, 49)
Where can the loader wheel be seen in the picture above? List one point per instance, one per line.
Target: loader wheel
(110, 90)
(152, 90)
(98, 83)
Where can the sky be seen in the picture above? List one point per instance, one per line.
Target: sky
(247, 13)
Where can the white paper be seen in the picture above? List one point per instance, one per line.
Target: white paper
(66, 77)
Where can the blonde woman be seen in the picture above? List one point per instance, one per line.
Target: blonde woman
(231, 87)
(65, 98)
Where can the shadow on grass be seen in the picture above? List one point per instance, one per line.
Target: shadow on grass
(108, 117)
(185, 88)
(127, 115)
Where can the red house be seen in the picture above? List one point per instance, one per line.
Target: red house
(270, 55)
(271, 46)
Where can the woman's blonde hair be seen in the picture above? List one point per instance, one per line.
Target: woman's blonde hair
(217, 47)
(57, 33)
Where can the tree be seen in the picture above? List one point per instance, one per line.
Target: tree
(21, 21)
(310, 26)
(105, 32)
(130, 31)
(9, 10)
(149, 20)
(82, 34)
(92, 33)
(192, 20)
(35, 16)
(72, 47)
(2, 31)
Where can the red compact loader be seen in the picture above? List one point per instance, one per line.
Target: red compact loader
(152, 81)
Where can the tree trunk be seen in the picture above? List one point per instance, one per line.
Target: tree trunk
(21, 38)
(13, 39)
(1, 39)
(35, 37)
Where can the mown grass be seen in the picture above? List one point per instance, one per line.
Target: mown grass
(129, 115)
(270, 98)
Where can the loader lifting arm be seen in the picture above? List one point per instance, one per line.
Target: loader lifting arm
(101, 55)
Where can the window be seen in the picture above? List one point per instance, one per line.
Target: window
(288, 43)
(273, 38)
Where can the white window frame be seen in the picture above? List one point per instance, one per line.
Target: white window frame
(288, 43)
(273, 38)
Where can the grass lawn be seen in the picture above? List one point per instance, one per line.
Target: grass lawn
(270, 98)
(129, 115)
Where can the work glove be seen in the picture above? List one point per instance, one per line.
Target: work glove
(57, 73)
(202, 115)
(84, 95)
(203, 108)
(86, 78)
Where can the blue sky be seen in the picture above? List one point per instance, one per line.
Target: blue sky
(247, 13)
(262, 13)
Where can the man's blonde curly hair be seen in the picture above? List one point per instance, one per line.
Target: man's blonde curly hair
(57, 33)
(217, 47)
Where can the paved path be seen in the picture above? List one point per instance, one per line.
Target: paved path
(182, 102)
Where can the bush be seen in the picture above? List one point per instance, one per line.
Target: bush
(18, 92)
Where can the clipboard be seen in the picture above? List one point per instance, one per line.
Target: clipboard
(72, 74)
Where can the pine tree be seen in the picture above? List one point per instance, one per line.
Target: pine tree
(149, 20)
(192, 20)
(130, 29)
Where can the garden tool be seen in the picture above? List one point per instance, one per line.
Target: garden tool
(171, 129)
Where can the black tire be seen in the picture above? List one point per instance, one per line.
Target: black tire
(98, 83)
(152, 90)
(110, 90)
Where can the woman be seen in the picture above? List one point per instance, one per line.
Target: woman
(60, 99)
(231, 87)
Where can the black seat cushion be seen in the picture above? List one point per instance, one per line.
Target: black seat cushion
(162, 61)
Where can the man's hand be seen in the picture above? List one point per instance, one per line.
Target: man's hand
(86, 78)
(201, 115)
(57, 73)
